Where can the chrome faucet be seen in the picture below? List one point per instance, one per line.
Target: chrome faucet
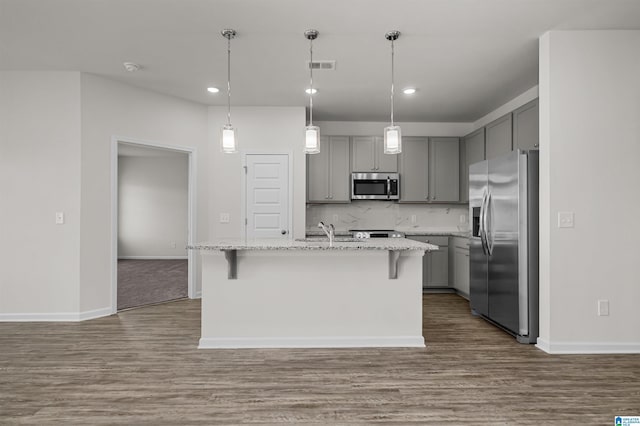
(329, 230)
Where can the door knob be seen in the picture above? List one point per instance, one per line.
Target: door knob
(283, 232)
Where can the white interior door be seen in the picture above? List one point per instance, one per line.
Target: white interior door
(267, 196)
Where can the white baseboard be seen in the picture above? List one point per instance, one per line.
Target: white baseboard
(587, 347)
(152, 257)
(56, 316)
(198, 295)
(311, 342)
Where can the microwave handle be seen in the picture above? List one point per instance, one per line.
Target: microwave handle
(388, 187)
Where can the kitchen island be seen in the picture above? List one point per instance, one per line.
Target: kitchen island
(294, 294)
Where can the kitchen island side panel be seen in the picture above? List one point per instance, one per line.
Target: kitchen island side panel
(312, 299)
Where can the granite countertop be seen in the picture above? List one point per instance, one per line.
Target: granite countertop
(372, 244)
(444, 233)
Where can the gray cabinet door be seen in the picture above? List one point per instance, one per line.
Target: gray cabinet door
(525, 126)
(338, 172)
(363, 154)
(444, 169)
(328, 172)
(414, 170)
(317, 172)
(472, 151)
(435, 264)
(461, 279)
(367, 155)
(499, 136)
(386, 162)
(436, 268)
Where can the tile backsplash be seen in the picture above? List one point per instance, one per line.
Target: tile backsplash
(389, 215)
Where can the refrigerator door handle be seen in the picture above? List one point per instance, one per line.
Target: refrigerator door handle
(487, 226)
(482, 230)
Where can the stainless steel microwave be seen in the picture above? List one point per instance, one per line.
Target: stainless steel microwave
(375, 186)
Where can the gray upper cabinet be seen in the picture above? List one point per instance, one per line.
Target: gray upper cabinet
(444, 167)
(328, 172)
(499, 134)
(525, 126)
(429, 170)
(414, 170)
(367, 155)
(472, 151)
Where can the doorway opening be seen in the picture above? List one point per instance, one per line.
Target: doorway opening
(152, 199)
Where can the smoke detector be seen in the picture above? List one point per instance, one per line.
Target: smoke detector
(131, 66)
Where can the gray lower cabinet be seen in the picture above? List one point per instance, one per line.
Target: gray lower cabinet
(460, 257)
(367, 155)
(499, 137)
(435, 264)
(429, 170)
(525, 126)
(472, 151)
(328, 172)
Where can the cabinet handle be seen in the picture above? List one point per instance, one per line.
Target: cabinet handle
(535, 145)
(434, 197)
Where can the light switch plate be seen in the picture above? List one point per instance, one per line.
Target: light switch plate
(565, 219)
(59, 218)
(224, 217)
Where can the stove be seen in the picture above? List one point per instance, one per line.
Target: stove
(375, 233)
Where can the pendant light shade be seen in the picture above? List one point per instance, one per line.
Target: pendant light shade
(311, 133)
(228, 137)
(392, 133)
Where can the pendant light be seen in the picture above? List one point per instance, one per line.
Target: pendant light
(311, 132)
(392, 134)
(229, 137)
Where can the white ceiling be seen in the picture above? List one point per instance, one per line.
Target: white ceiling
(466, 57)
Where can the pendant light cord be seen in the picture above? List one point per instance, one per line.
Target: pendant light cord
(392, 80)
(229, 81)
(311, 82)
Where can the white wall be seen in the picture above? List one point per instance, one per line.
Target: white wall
(152, 206)
(508, 107)
(110, 108)
(39, 175)
(589, 151)
(261, 130)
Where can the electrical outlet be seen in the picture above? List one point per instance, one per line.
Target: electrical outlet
(565, 219)
(172, 244)
(414, 219)
(59, 218)
(224, 217)
(603, 308)
(335, 218)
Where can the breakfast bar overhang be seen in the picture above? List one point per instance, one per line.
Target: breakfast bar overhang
(300, 294)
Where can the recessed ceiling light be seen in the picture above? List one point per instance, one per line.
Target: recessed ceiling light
(311, 91)
(409, 91)
(213, 89)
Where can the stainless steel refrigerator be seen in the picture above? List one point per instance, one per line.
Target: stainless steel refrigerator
(503, 207)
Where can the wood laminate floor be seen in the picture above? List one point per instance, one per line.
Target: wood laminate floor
(143, 367)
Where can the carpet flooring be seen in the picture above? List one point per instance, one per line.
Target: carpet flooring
(145, 282)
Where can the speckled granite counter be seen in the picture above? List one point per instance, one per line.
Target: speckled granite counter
(371, 244)
(420, 232)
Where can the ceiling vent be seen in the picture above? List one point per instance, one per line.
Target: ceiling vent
(322, 65)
